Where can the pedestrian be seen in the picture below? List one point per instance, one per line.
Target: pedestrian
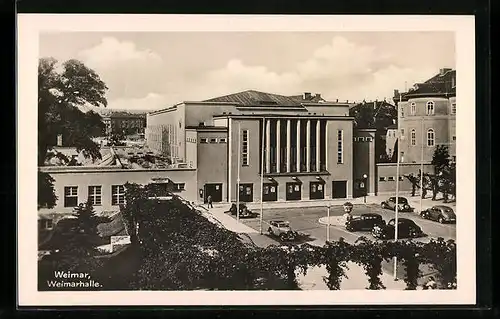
(413, 181)
(209, 200)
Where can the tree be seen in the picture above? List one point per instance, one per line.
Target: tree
(394, 158)
(440, 159)
(46, 194)
(86, 226)
(60, 94)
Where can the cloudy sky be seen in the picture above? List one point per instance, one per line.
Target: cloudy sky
(155, 70)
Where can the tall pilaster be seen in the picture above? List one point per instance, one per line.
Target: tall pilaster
(278, 145)
(268, 146)
(298, 145)
(308, 146)
(318, 145)
(288, 145)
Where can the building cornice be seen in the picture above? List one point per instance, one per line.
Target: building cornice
(290, 116)
(100, 170)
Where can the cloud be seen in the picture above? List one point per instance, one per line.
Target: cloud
(111, 52)
(342, 69)
(151, 101)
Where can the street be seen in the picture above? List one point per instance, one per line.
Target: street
(306, 220)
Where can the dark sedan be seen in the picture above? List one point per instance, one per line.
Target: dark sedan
(364, 222)
(406, 229)
(440, 213)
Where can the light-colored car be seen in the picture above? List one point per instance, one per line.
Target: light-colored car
(281, 229)
(440, 213)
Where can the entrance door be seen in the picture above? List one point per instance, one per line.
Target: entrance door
(215, 190)
(360, 189)
(339, 189)
(270, 192)
(293, 191)
(316, 190)
(246, 193)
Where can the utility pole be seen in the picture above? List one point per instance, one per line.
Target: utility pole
(422, 164)
(396, 226)
(328, 223)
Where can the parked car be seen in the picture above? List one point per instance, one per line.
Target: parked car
(407, 228)
(364, 222)
(439, 213)
(402, 201)
(244, 211)
(282, 230)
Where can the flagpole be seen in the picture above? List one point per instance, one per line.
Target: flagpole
(262, 176)
(238, 176)
(396, 226)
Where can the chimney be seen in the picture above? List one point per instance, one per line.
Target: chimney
(337, 101)
(59, 140)
(396, 93)
(307, 96)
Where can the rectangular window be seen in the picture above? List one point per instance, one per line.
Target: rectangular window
(369, 139)
(203, 140)
(361, 139)
(244, 148)
(213, 140)
(95, 195)
(340, 147)
(180, 186)
(117, 195)
(381, 179)
(46, 224)
(454, 108)
(222, 140)
(402, 111)
(390, 178)
(355, 139)
(402, 133)
(70, 196)
(401, 178)
(454, 138)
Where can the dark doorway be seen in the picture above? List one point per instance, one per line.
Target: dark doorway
(246, 193)
(316, 190)
(339, 189)
(215, 190)
(270, 192)
(293, 191)
(360, 188)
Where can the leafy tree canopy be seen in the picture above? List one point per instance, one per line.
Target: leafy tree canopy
(62, 89)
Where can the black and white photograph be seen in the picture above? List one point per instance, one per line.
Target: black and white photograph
(265, 161)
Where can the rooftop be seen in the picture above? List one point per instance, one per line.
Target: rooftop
(443, 83)
(256, 98)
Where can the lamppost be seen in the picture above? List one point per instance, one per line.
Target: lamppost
(365, 178)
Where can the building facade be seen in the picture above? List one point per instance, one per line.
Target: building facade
(301, 149)
(428, 118)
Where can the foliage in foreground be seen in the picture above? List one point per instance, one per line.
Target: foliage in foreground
(174, 247)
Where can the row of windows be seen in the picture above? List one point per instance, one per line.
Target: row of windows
(340, 147)
(244, 151)
(430, 137)
(191, 140)
(95, 194)
(429, 108)
(213, 140)
(363, 139)
(389, 178)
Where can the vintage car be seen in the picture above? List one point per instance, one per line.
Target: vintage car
(402, 201)
(364, 222)
(244, 211)
(439, 213)
(282, 230)
(406, 229)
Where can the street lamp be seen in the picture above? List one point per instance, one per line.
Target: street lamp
(365, 178)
